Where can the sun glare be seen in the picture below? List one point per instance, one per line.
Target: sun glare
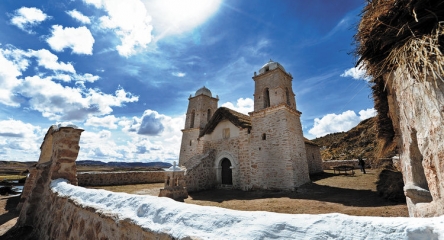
(178, 16)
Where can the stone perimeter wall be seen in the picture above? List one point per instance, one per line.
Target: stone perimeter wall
(54, 217)
(119, 178)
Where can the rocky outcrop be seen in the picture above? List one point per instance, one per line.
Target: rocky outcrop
(417, 111)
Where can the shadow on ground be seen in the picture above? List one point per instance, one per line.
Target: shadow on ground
(10, 211)
(309, 191)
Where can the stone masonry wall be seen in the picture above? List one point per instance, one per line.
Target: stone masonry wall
(278, 157)
(54, 217)
(200, 173)
(119, 178)
(313, 158)
(416, 107)
(57, 160)
(61, 218)
(189, 146)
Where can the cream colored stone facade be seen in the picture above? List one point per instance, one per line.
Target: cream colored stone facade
(263, 150)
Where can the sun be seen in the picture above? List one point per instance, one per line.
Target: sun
(178, 16)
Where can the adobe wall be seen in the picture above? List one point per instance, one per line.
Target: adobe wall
(119, 178)
(416, 108)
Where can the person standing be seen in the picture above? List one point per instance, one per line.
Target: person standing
(361, 164)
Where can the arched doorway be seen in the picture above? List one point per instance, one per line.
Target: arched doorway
(227, 176)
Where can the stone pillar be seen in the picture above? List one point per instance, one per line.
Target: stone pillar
(65, 151)
(59, 152)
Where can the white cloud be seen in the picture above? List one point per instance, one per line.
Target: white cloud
(243, 105)
(129, 20)
(87, 77)
(162, 146)
(12, 63)
(25, 18)
(17, 136)
(80, 40)
(357, 73)
(57, 102)
(178, 74)
(79, 16)
(49, 61)
(345, 121)
(134, 21)
(99, 146)
(368, 113)
(108, 121)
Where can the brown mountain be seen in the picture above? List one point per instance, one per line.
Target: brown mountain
(360, 140)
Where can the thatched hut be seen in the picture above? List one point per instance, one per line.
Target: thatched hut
(400, 43)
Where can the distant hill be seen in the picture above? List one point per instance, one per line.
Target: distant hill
(123, 164)
(349, 145)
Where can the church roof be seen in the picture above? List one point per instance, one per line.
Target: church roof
(203, 91)
(310, 142)
(222, 113)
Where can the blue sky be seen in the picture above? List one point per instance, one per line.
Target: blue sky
(123, 70)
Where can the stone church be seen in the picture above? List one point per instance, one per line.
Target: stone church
(262, 150)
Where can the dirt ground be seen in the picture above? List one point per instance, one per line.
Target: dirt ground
(8, 214)
(328, 193)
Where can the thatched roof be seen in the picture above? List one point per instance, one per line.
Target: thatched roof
(402, 33)
(223, 113)
(310, 142)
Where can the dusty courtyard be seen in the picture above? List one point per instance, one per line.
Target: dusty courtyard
(349, 194)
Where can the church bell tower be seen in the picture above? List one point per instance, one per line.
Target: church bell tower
(201, 108)
(280, 161)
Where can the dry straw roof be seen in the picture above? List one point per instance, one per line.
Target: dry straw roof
(402, 34)
(237, 118)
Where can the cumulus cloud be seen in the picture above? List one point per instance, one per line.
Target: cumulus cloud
(178, 74)
(345, 121)
(243, 105)
(368, 113)
(80, 39)
(17, 135)
(79, 16)
(25, 18)
(100, 146)
(57, 102)
(357, 73)
(129, 20)
(12, 64)
(49, 61)
(149, 124)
